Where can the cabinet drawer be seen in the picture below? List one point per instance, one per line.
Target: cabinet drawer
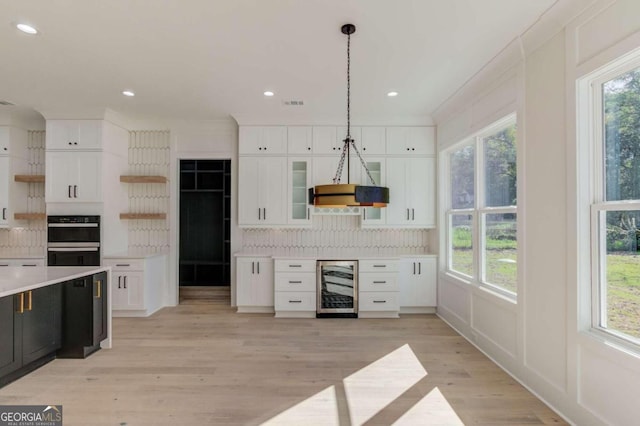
(378, 301)
(125, 264)
(383, 281)
(378, 265)
(295, 301)
(295, 281)
(295, 265)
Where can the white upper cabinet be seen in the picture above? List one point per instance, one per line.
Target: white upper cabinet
(73, 177)
(372, 141)
(262, 189)
(4, 191)
(5, 138)
(412, 190)
(411, 141)
(300, 140)
(263, 140)
(13, 160)
(85, 135)
(299, 182)
(325, 140)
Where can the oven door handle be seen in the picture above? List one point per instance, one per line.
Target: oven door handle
(67, 249)
(73, 225)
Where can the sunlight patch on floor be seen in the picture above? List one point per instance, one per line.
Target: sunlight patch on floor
(378, 384)
(321, 409)
(433, 409)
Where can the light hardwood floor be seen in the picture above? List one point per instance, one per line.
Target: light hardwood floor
(207, 365)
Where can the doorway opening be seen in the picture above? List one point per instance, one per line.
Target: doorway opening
(205, 231)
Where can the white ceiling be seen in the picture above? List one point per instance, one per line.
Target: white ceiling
(207, 59)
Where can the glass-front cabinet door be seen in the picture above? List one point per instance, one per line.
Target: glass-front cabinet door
(374, 216)
(299, 184)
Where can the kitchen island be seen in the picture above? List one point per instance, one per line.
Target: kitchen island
(49, 312)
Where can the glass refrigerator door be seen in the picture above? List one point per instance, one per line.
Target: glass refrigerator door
(337, 287)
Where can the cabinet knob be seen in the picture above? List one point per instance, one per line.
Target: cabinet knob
(259, 148)
(407, 149)
(413, 149)
(5, 148)
(265, 148)
(364, 148)
(308, 148)
(69, 143)
(334, 148)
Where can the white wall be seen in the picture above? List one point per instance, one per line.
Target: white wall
(539, 338)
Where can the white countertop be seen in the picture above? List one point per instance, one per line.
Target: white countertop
(333, 255)
(20, 256)
(133, 254)
(14, 280)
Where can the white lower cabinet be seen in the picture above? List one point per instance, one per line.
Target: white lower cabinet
(418, 284)
(254, 284)
(22, 262)
(137, 285)
(295, 287)
(378, 288)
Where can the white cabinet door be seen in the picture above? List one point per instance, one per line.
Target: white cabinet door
(74, 135)
(128, 290)
(5, 140)
(263, 140)
(374, 216)
(262, 188)
(300, 140)
(73, 177)
(411, 141)
(254, 282)
(5, 181)
(299, 182)
(418, 282)
(411, 182)
(373, 141)
(324, 140)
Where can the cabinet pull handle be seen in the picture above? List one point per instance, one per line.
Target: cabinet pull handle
(75, 191)
(407, 214)
(295, 282)
(29, 264)
(29, 300)
(253, 267)
(295, 266)
(4, 264)
(307, 212)
(4, 213)
(98, 289)
(419, 268)
(379, 282)
(125, 281)
(21, 304)
(259, 214)
(295, 301)
(123, 264)
(379, 301)
(413, 214)
(119, 279)
(258, 267)
(68, 191)
(379, 266)
(264, 213)
(364, 214)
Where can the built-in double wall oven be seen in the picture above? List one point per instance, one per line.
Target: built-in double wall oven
(73, 241)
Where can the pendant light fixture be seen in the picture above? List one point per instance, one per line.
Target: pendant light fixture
(349, 195)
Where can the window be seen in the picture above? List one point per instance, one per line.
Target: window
(482, 213)
(615, 210)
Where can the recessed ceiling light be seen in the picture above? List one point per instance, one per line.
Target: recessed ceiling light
(268, 93)
(392, 94)
(128, 93)
(27, 29)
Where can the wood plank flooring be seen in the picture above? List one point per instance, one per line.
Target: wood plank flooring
(206, 365)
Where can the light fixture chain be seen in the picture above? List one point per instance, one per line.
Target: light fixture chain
(348, 88)
(336, 179)
(366, 169)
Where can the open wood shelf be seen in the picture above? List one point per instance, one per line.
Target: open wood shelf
(29, 178)
(143, 215)
(142, 179)
(29, 216)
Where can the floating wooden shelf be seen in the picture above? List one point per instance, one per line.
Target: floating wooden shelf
(143, 215)
(29, 216)
(143, 179)
(29, 178)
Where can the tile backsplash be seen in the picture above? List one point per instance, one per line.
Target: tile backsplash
(30, 240)
(340, 235)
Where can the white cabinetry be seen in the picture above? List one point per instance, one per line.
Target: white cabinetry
(13, 160)
(411, 182)
(418, 286)
(254, 284)
(411, 141)
(73, 177)
(295, 287)
(83, 135)
(373, 217)
(300, 140)
(263, 140)
(325, 140)
(378, 288)
(262, 187)
(137, 285)
(299, 180)
(372, 141)
(22, 262)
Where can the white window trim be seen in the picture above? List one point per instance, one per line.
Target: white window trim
(478, 212)
(591, 129)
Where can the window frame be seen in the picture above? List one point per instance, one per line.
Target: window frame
(599, 205)
(479, 211)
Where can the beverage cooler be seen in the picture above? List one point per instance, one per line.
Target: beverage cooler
(337, 288)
